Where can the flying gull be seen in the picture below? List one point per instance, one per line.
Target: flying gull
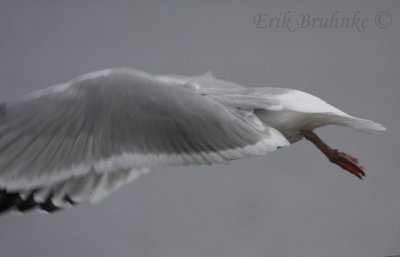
(83, 139)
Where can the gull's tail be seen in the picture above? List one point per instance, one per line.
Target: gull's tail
(359, 124)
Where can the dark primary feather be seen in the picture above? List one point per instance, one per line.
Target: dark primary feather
(12, 201)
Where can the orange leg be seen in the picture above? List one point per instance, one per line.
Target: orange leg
(344, 160)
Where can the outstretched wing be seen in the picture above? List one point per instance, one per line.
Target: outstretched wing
(61, 140)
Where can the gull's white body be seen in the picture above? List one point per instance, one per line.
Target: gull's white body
(89, 136)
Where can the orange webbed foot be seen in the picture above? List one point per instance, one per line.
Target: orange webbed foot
(347, 162)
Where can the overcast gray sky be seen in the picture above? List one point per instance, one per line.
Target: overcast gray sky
(290, 203)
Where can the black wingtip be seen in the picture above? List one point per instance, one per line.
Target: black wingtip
(28, 204)
(8, 200)
(12, 201)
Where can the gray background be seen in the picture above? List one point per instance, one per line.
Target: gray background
(290, 203)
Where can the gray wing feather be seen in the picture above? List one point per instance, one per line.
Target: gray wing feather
(120, 120)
